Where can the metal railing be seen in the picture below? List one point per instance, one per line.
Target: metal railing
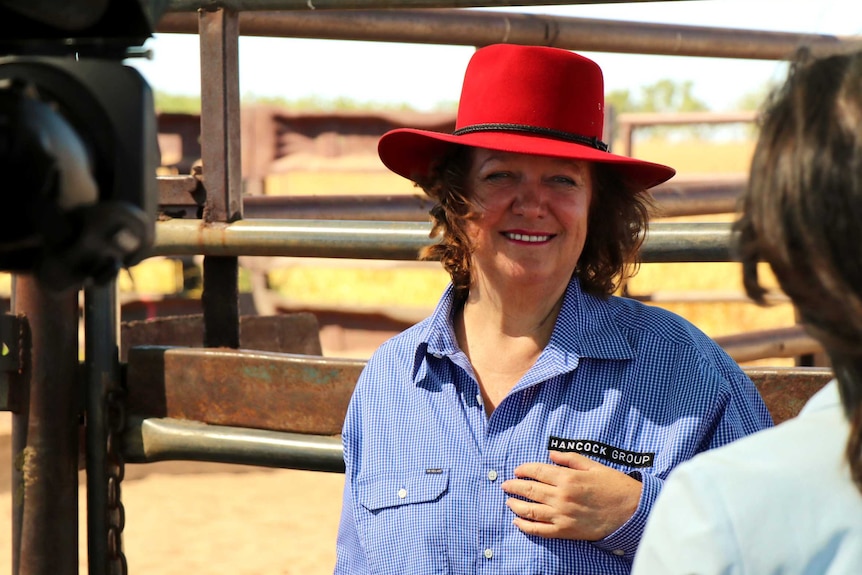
(46, 420)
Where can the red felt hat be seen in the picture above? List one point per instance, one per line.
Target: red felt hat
(523, 99)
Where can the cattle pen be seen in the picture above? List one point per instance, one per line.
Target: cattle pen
(256, 390)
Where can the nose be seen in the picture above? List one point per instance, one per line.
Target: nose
(530, 201)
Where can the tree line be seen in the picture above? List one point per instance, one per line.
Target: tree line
(661, 96)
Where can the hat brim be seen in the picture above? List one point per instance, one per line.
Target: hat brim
(410, 153)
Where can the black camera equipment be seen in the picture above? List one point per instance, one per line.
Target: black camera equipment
(78, 139)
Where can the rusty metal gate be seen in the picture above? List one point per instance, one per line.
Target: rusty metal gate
(257, 391)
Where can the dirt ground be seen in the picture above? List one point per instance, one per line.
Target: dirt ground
(211, 519)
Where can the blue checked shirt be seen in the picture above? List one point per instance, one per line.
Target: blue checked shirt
(632, 386)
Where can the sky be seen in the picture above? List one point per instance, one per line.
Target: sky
(423, 76)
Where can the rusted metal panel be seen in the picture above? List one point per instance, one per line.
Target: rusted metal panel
(289, 333)
(785, 390)
(241, 388)
(309, 393)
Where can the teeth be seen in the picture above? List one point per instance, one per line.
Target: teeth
(526, 238)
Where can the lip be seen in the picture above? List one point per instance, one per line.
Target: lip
(527, 237)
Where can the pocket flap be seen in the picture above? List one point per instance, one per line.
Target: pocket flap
(393, 490)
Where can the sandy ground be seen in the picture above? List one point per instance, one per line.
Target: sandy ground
(185, 517)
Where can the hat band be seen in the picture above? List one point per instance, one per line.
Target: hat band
(536, 131)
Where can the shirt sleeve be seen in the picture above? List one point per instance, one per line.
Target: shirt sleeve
(349, 555)
(349, 552)
(688, 530)
(625, 540)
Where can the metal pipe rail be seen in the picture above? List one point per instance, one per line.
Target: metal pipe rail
(147, 440)
(679, 197)
(240, 5)
(482, 27)
(665, 242)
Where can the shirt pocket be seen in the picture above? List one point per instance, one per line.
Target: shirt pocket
(402, 521)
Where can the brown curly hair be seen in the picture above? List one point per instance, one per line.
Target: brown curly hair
(618, 220)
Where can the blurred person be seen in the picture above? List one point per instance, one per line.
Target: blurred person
(528, 424)
(789, 500)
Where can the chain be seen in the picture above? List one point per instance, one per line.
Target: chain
(116, 422)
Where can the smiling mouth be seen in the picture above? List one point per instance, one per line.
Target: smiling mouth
(529, 238)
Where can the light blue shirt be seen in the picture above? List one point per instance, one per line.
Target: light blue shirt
(780, 501)
(634, 387)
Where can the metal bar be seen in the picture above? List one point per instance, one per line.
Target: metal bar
(686, 118)
(220, 151)
(102, 376)
(396, 208)
(628, 123)
(665, 242)
(45, 436)
(11, 388)
(676, 198)
(220, 301)
(220, 115)
(679, 197)
(154, 439)
(241, 5)
(697, 197)
(483, 27)
(242, 388)
(785, 391)
(781, 342)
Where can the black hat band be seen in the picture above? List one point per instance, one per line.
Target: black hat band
(536, 131)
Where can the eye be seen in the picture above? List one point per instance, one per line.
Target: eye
(498, 176)
(565, 180)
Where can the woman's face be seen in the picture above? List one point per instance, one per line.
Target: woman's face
(531, 217)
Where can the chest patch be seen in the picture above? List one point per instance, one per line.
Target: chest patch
(602, 451)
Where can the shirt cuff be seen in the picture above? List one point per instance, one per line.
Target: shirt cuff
(624, 541)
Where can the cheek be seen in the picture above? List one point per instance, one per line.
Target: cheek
(473, 229)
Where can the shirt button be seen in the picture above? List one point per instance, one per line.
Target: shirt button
(479, 398)
(618, 552)
(492, 475)
(437, 355)
(402, 493)
(488, 553)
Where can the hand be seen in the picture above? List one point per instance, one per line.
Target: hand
(576, 499)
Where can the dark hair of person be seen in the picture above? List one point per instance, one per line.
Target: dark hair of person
(618, 220)
(802, 213)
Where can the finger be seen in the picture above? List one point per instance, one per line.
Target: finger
(531, 490)
(541, 472)
(573, 460)
(537, 528)
(530, 511)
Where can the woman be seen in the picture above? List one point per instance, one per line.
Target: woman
(790, 500)
(527, 425)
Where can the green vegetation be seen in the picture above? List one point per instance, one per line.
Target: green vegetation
(177, 104)
(183, 104)
(662, 96)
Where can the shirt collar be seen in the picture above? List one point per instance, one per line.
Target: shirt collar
(585, 327)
